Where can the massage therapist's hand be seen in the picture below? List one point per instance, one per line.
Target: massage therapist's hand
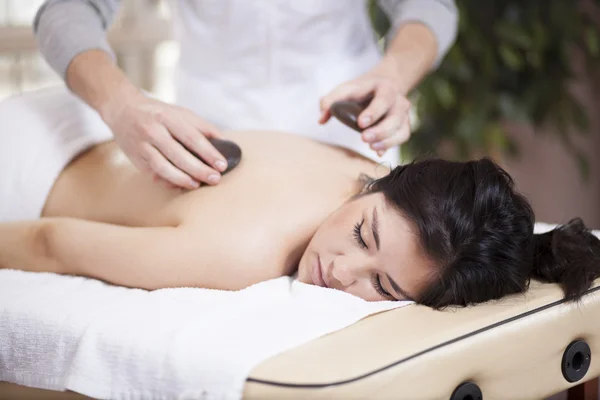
(388, 101)
(153, 135)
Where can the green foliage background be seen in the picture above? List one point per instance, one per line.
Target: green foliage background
(512, 61)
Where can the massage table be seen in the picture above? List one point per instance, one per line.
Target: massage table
(527, 346)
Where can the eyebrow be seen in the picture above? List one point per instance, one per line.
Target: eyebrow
(399, 291)
(375, 227)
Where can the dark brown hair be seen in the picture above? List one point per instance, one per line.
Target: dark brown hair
(479, 231)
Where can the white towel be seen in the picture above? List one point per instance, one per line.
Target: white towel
(42, 131)
(63, 332)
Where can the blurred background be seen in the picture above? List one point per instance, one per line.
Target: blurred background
(141, 38)
(519, 85)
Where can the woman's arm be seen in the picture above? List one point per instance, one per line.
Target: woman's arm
(147, 258)
(71, 35)
(66, 28)
(421, 33)
(439, 17)
(154, 135)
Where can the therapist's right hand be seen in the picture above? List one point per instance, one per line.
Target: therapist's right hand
(153, 135)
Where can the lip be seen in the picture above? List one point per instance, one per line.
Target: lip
(317, 273)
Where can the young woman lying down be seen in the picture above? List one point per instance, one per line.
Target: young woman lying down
(437, 232)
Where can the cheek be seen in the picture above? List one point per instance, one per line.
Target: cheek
(323, 237)
(336, 226)
(336, 230)
(334, 236)
(345, 217)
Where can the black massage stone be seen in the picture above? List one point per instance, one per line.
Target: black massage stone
(230, 150)
(347, 112)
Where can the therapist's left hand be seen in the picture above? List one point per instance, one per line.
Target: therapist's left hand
(388, 101)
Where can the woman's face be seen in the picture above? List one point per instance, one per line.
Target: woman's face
(368, 249)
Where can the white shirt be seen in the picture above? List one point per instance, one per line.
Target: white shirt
(256, 64)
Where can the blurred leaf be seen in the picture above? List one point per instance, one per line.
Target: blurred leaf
(583, 165)
(539, 35)
(379, 20)
(579, 116)
(512, 109)
(512, 62)
(534, 59)
(496, 136)
(591, 39)
(445, 93)
(510, 57)
(470, 127)
(513, 34)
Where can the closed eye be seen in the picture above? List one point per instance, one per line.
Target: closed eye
(358, 236)
(376, 281)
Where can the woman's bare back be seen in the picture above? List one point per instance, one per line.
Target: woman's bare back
(265, 210)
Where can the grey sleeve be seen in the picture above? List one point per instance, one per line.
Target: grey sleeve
(440, 16)
(65, 28)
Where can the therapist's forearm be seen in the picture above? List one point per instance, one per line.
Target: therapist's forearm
(410, 56)
(94, 77)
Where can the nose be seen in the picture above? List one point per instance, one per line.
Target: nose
(346, 270)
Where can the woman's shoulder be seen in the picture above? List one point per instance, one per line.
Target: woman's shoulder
(295, 151)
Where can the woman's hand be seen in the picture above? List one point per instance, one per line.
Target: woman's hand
(388, 104)
(156, 137)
